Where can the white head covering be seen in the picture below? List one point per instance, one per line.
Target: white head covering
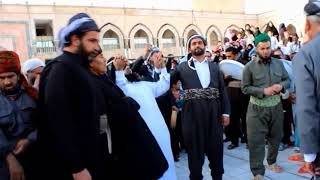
(32, 64)
(209, 50)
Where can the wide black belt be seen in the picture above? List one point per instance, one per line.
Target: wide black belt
(203, 93)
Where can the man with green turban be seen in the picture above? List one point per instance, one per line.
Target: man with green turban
(264, 80)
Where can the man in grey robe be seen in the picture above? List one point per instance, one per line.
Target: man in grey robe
(306, 70)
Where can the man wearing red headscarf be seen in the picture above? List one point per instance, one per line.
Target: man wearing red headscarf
(17, 132)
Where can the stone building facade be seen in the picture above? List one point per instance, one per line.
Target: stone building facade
(32, 30)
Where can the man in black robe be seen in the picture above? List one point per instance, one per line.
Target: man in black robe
(205, 112)
(238, 102)
(68, 119)
(127, 146)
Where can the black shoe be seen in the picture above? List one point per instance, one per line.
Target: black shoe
(226, 140)
(176, 159)
(243, 140)
(232, 146)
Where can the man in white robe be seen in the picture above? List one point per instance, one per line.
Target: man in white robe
(144, 93)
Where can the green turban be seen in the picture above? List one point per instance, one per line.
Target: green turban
(260, 38)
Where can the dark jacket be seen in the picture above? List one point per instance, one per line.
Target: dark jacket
(68, 119)
(16, 122)
(138, 155)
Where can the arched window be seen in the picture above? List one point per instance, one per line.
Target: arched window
(110, 40)
(213, 39)
(168, 39)
(140, 39)
(191, 33)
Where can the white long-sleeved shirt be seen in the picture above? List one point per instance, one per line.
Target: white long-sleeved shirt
(310, 157)
(203, 72)
(274, 43)
(145, 93)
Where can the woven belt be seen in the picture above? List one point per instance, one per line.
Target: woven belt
(269, 101)
(234, 84)
(207, 93)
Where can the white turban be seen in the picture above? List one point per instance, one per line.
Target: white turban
(32, 64)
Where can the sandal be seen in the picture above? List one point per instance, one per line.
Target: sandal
(232, 146)
(296, 157)
(303, 170)
(316, 174)
(275, 168)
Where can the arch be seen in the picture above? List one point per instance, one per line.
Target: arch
(109, 26)
(110, 40)
(168, 39)
(191, 28)
(164, 28)
(140, 39)
(133, 32)
(210, 30)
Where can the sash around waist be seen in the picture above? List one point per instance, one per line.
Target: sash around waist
(203, 93)
(269, 101)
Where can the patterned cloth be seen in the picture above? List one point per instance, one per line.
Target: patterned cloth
(269, 101)
(207, 93)
(9, 62)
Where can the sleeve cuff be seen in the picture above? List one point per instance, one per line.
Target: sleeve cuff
(157, 70)
(310, 157)
(226, 115)
(162, 70)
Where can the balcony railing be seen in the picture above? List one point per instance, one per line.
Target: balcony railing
(45, 46)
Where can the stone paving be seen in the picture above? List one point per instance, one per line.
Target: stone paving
(236, 165)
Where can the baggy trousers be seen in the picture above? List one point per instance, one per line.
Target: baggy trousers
(263, 123)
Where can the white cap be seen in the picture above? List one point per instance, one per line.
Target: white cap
(209, 50)
(32, 64)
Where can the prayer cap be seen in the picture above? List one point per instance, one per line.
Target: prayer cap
(260, 38)
(312, 8)
(32, 64)
(194, 37)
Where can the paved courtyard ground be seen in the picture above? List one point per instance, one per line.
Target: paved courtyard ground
(236, 165)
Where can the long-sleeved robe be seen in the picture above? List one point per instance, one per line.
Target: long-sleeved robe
(145, 93)
(306, 72)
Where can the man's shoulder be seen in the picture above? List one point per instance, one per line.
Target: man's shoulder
(251, 63)
(182, 65)
(276, 60)
(312, 46)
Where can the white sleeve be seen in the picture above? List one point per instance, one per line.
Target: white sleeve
(162, 86)
(121, 81)
(310, 157)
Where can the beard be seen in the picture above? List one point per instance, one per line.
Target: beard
(82, 50)
(264, 58)
(10, 90)
(198, 52)
(32, 80)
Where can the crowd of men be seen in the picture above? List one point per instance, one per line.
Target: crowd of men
(82, 117)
